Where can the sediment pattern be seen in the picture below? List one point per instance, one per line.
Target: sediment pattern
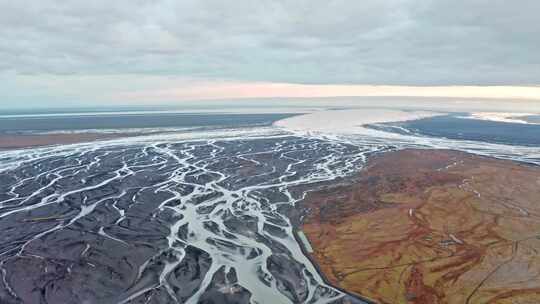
(171, 222)
(176, 218)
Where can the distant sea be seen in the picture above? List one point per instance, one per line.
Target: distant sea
(456, 126)
(143, 120)
(128, 121)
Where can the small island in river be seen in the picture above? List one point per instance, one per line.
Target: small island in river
(430, 226)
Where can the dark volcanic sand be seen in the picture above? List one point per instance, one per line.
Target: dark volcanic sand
(193, 222)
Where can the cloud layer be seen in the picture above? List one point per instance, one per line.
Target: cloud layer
(393, 42)
(377, 42)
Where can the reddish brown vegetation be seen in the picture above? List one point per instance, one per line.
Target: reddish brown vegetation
(425, 226)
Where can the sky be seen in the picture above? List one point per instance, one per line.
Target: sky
(70, 53)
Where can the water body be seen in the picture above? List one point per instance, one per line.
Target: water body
(455, 126)
(131, 121)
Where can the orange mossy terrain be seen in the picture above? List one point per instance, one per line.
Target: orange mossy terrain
(431, 226)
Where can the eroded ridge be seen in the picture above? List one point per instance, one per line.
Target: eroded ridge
(184, 222)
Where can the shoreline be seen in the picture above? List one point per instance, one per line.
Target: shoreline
(296, 216)
(63, 133)
(519, 118)
(349, 121)
(27, 141)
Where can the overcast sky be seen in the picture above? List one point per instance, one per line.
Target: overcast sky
(102, 51)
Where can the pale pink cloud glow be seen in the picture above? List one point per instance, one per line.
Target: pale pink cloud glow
(238, 90)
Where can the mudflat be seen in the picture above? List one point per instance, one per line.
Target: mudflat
(27, 141)
(431, 226)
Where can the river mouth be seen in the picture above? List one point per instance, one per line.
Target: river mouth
(181, 217)
(150, 219)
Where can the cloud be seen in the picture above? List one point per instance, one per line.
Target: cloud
(375, 42)
(370, 42)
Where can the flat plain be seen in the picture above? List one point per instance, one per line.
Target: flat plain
(431, 226)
